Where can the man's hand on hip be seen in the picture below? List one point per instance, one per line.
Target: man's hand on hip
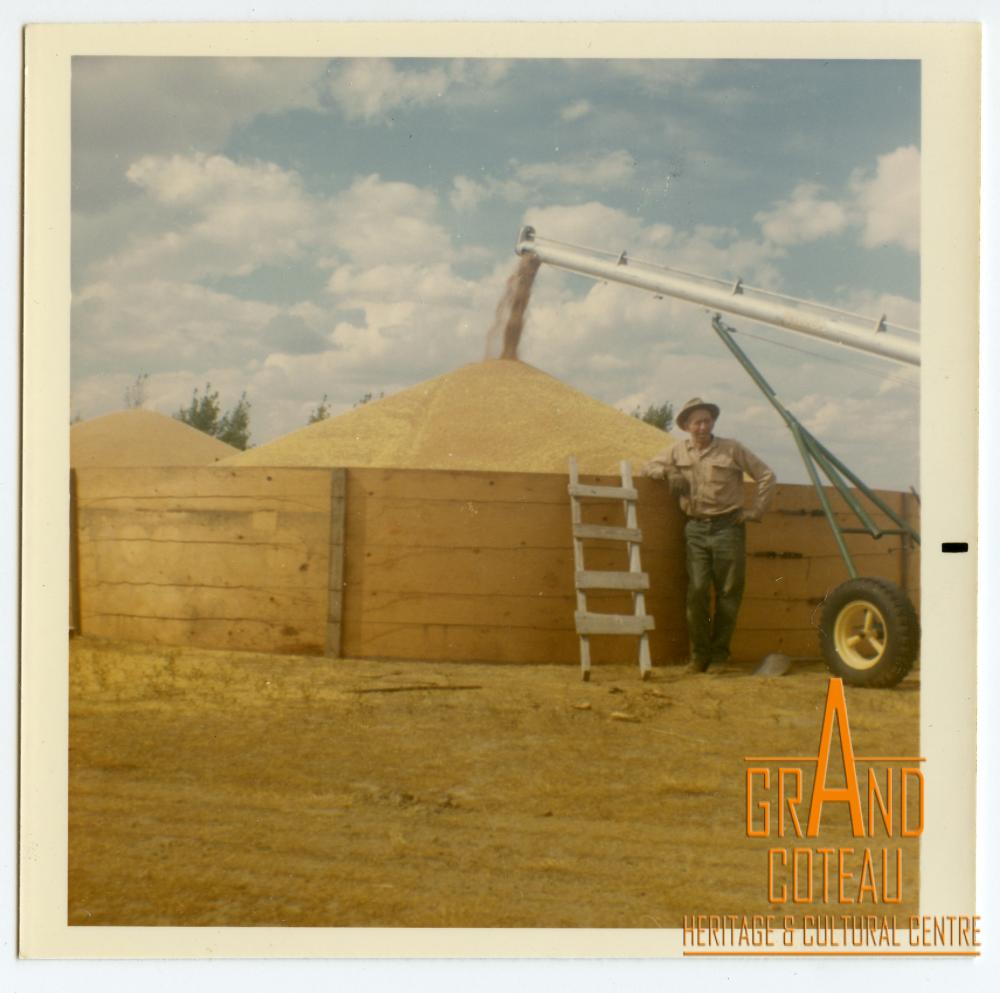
(679, 485)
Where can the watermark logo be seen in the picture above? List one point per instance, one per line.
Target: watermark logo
(841, 896)
(880, 807)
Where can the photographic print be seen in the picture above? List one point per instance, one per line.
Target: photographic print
(497, 491)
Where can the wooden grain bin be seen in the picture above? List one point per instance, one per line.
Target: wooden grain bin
(432, 525)
(419, 564)
(132, 437)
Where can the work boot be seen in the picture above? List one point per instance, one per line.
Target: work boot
(697, 665)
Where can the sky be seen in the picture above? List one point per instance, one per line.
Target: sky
(308, 228)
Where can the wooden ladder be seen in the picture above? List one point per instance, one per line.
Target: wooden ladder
(634, 580)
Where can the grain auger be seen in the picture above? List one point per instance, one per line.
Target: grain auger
(868, 630)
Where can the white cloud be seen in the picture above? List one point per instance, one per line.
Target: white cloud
(428, 281)
(124, 108)
(228, 219)
(377, 222)
(601, 171)
(394, 310)
(697, 78)
(605, 362)
(200, 180)
(156, 324)
(658, 75)
(232, 218)
(593, 224)
(884, 204)
(467, 194)
(145, 308)
(865, 424)
(417, 320)
(804, 216)
(370, 89)
(574, 111)
(888, 202)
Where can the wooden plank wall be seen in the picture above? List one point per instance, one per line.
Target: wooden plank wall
(437, 565)
(213, 557)
(475, 565)
(793, 562)
(462, 565)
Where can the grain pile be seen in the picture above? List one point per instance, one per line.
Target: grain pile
(141, 438)
(497, 415)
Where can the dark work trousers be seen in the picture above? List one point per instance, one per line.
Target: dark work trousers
(716, 559)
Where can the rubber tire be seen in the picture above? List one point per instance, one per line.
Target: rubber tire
(899, 621)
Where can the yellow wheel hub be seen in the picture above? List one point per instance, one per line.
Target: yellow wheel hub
(860, 634)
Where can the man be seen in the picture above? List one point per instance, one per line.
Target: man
(706, 474)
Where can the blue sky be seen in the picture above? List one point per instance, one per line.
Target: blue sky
(300, 228)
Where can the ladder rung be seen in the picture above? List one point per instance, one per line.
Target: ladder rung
(587, 623)
(606, 531)
(603, 492)
(591, 579)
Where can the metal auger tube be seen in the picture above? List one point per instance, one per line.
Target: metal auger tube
(837, 326)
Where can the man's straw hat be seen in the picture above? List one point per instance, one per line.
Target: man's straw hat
(695, 403)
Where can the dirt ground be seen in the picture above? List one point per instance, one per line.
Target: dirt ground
(217, 788)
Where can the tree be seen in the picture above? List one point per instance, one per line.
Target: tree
(321, 411)
(204, 414)
(135, 395)
(659, 415)
(203, 411)
(234, 426)
(368, 397)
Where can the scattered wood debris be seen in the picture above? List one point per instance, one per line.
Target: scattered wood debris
(620, 715)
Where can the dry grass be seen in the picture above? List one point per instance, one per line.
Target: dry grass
(211, 788)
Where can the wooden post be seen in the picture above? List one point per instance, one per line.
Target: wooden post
(338, 493)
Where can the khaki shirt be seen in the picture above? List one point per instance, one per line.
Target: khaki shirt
(715, 477)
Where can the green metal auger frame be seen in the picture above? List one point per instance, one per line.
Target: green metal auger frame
(816, 456)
